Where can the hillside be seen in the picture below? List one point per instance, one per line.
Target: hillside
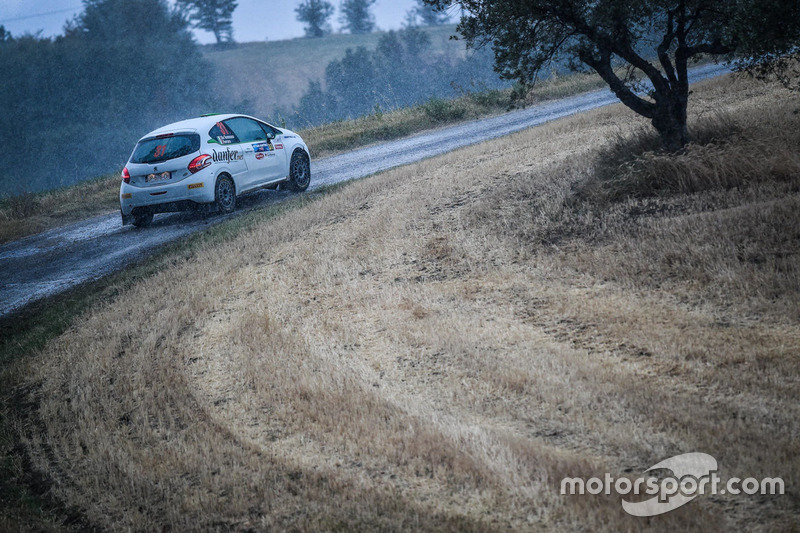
(435, 347)
(276, 73)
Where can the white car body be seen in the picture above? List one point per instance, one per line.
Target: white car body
(169, 170)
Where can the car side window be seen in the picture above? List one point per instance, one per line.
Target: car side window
(223, 134)
(270, 130)
(247, 130)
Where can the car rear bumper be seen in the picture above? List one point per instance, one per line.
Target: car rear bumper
(164, 198)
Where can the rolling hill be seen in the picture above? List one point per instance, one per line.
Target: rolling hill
(271, 75)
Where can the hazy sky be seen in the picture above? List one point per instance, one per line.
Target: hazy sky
(253, 20)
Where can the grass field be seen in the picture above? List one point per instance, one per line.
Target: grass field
(435, 347)
(275, 74)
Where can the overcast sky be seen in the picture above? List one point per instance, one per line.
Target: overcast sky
(253, 20)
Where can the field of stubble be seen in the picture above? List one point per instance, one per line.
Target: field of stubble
(436, 347)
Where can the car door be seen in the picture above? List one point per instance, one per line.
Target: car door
(229, 152)
(277, 143)
(263, 164)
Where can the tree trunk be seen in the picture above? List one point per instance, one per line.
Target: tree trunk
(217, 33)
(670, 121)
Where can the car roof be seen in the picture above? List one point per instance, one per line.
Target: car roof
(199, 124)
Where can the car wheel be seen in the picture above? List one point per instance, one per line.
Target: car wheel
(299, 172)
(225, 195)
(143, 220)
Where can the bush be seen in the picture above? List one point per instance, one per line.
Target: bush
(22, 205)
(439, 110)
(724, 153)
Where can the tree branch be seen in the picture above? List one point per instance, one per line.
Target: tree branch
(602, 66)
(626, 52)
(663, 49)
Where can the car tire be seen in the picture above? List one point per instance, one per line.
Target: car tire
(142, 220)
(225, 195)
(299, 172)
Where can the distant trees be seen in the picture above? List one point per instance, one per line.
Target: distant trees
(75, 105)
(399, 73)
(115, 45)
(211, 15)
(427, 15)
(356, 16)
(315, 15)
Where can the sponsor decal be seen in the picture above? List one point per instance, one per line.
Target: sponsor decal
(227, 156)
(279, 147)
(127, 196)
(226, 139)
(290, 136)
(259, 156)
(263, 147)
(196, 186)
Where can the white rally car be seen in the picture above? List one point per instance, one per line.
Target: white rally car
(209, 160)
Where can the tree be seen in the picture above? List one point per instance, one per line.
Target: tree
(654, 40)
(427, 15)
(211, 15)
(315, 13)
(356, 16)
(400, 72)
(93, 91)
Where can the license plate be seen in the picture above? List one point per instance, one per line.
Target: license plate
(158, 176)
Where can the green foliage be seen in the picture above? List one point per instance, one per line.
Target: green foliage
(785, 69)
(657, 39)
(439, 110)
(494, 98)
(74, 106)
(211, 15)
(356, 16)
(23, 205)
(315, 14)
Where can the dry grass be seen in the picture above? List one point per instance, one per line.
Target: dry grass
(28, 213)
(423, 350)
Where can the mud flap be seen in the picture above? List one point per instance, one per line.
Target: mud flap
(126, 219)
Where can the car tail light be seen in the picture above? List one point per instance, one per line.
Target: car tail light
(199, 163)
(126, 176)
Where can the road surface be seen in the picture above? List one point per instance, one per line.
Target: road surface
(48, 263)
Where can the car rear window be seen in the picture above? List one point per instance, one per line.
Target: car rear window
(158, 149)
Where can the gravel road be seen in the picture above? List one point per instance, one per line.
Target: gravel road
(48, 263)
